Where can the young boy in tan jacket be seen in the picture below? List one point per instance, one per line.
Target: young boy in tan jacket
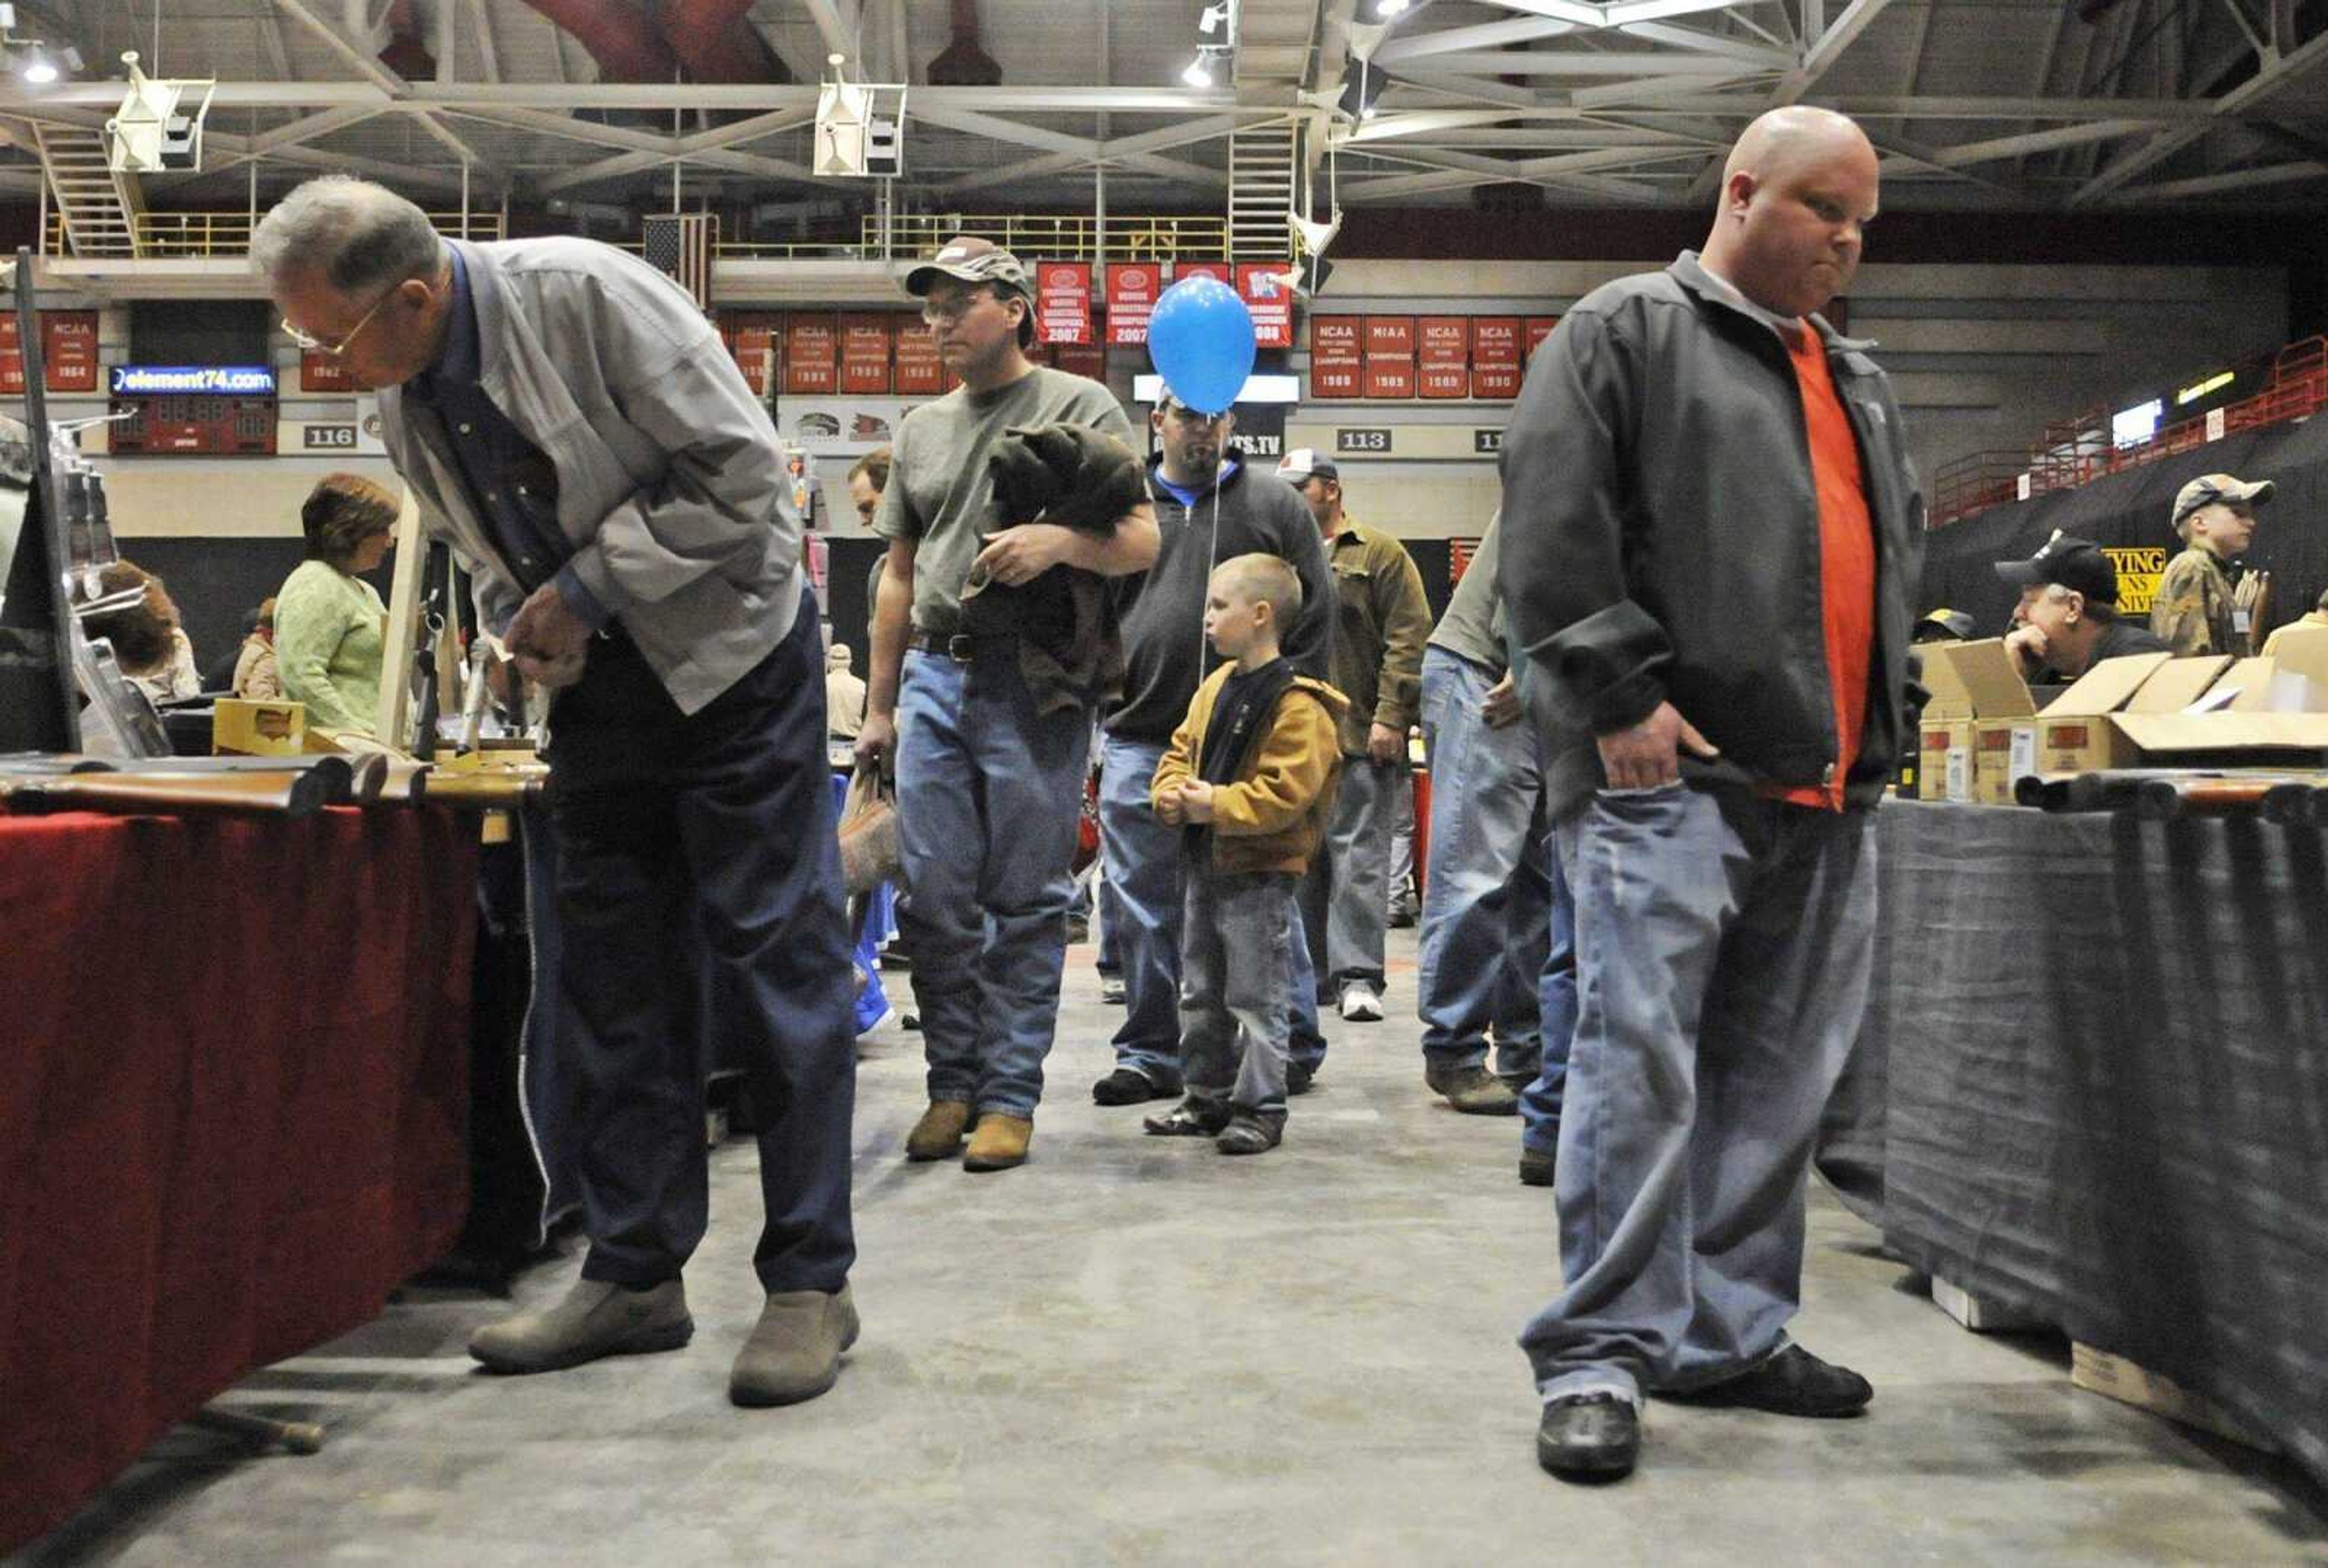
(1250, 774)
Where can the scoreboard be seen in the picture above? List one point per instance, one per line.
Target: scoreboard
(195, 410)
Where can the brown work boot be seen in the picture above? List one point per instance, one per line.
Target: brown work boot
(794, 1350)
(938, 1134)
(595, 1317)
(999, 1142)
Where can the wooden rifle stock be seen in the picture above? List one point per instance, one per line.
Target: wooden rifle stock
(295, 793)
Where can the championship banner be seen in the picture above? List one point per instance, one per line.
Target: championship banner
(812, 355)
(1496, 356)
(1218, 271)
(1539, 327)
(1445, 343)
(1132, 291)
(68, 348)
(919, 371)
(320, 373)
(1336, 365)
(865, 355)
(1389, 356)
(1063, 302)
(1262, 286)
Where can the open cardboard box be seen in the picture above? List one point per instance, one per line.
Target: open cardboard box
(2004, 732)
(1944, 733)
(2074, 733)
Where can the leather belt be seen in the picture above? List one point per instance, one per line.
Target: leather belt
(961, 647)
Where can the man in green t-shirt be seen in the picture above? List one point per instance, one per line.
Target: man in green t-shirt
(989, 781)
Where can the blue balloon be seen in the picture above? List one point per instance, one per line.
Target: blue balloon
(1201, 339)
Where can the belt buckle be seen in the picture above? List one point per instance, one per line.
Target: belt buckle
(960, 648)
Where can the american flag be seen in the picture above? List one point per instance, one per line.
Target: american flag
(680, 244)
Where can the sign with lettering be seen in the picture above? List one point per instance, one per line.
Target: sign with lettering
(865, 355)
(1337, 367)
(812, 355)
(1063, 302)
(192, 381)
(1369, 440)
(328, 438)
(1132, 291)
(1269, 298)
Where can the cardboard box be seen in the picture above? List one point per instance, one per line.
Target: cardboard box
(2004, 718)
(2231, 739)
(2115, 1377)
(2176, 683)
(1981, 1314)
(244, 728)
(2074, 733)
(1944, 735)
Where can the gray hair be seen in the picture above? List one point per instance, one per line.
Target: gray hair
(354, 235)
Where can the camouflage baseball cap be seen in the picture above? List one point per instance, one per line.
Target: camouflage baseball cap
(970, 260)
(2210, 488)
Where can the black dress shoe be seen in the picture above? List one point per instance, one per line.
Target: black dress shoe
(1537, 1167)
(1588, 1437)
(1131, 1086)
(1793, 1381)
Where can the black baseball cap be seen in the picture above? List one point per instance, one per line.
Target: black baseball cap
(2076, 564)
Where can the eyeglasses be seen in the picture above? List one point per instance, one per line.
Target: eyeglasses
(337, 348)
(934, 312)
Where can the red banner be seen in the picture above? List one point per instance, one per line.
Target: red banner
(1269, 298)
(1217, 271)
(1063, 302)
(72, 370)
(320, 373)
(1390, 335)
(865, 355)
(920, 372)
(1495, 356)
(811, 352)
(1445, 353)
(1389, 356)
(1132, 291)
(1539, 327)
(68, 348)
(1336, 368)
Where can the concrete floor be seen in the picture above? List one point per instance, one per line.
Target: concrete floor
(1136, 1351)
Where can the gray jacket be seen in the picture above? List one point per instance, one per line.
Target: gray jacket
(1660, 538)
(670, 485)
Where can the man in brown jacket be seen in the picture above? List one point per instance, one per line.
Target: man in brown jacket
(1250, 774)
(1381, 623)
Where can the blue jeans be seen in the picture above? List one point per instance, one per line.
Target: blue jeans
(1239, 964)
(699, 890)
(1145, 875)
(1724, 944)
(1555, 1000)
(988, 794)
(1345, 896)
(1487, 895)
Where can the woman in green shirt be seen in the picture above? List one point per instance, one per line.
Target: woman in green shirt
(328, 621)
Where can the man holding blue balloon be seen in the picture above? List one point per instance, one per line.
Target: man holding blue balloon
(990, 775)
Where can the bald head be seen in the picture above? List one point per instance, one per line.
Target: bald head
(1796, 190)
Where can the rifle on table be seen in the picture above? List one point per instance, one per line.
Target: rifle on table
(294, 793)
(2161, 794)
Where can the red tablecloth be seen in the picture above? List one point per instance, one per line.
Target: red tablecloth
(234, 1102)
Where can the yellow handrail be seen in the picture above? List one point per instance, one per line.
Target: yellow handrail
(181, 236)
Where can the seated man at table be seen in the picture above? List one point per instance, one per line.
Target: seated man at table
(2066, 620)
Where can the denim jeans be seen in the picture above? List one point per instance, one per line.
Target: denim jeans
(1238, 967)
(697, 871)
(1724, 944)
(1145, 860)
(1344, 908)
(1487, 894)
(1556, 1002)
(988, 795)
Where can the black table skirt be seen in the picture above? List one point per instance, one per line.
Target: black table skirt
(2094, 1083)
